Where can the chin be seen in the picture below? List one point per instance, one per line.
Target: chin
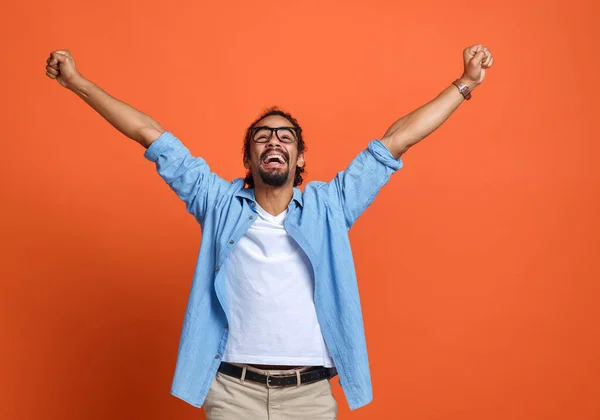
(274, 178)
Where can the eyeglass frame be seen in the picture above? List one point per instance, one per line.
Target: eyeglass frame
(276, 131)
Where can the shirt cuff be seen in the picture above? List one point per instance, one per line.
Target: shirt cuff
(158, 146)
(383, 155)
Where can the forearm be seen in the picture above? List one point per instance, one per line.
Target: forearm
(132, 123)
(417, 125)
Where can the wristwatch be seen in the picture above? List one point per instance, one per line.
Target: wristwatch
(463, 89)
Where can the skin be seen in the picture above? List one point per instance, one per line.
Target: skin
(274, 200)
(414, 127)
(399, 137)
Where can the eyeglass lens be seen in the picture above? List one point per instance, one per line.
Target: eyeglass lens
(284, 134)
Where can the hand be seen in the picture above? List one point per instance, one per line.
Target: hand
(61, 66)
(476, 60)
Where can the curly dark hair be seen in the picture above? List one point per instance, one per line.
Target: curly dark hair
(249, 180)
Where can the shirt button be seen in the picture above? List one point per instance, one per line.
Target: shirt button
(217, 357)
(217, 269)
(231, 242)
(253, 204)
(251, 217)
(226, 325)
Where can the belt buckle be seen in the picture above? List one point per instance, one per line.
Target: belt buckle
(269, 382)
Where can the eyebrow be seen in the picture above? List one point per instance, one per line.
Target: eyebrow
(266, 126)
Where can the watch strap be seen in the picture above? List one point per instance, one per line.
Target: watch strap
(463, 89)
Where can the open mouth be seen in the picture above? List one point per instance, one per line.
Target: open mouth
(274, 160)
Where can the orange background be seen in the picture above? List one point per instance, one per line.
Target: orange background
(478, 263)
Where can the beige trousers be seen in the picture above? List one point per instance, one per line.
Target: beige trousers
(232, 399)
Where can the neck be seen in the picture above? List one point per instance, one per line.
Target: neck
(273, 200)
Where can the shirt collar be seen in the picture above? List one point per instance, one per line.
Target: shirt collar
(248, 193)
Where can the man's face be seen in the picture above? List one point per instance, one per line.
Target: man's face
(274, 162)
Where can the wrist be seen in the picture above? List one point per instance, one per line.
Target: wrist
(77, 83)
(471, 84)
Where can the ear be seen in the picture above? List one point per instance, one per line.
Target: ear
(246, 164)
(300, 161)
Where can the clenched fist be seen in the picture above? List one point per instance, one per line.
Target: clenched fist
(61, 66)
(476, 60)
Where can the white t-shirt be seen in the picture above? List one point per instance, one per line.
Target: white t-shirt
(270, 293)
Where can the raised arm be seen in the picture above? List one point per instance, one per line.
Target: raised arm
(190, 177)
(414, 127)
(134, 124)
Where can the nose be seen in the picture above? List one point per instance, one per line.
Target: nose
(274, 140)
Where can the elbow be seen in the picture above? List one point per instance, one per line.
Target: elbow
(398, 144)
(148, 134)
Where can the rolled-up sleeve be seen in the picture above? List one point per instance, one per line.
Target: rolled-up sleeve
(190, 177)
(355, 188)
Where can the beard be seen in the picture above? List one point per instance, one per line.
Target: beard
(274, 178)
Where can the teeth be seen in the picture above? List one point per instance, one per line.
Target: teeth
(272, 158)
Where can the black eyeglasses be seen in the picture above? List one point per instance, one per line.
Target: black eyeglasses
(264, 134)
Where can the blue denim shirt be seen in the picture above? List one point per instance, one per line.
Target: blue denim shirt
(318, 220)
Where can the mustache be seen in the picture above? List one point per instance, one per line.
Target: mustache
(282, 151)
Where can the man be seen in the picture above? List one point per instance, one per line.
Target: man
(274, 311)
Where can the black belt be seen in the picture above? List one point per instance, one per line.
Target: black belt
(312, 375)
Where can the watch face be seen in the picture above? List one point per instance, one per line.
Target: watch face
(463, 89)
